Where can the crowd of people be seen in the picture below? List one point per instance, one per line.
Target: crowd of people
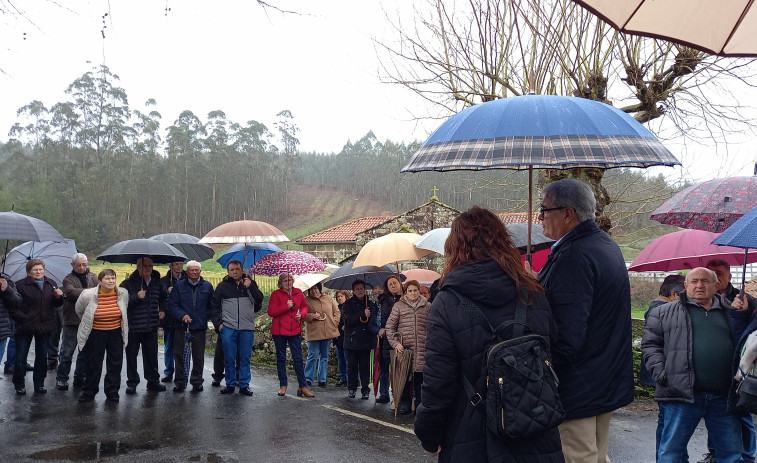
(579, 302)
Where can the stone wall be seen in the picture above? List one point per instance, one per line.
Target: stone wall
(330, 253)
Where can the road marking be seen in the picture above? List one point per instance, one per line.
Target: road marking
(368, 418)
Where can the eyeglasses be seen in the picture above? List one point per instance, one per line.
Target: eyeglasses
(543, 209)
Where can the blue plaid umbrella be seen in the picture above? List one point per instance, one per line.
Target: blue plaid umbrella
(539, 132)
(187, 354)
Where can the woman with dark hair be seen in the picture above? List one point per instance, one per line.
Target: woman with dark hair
(359, 314)
(341, 354)
(288, 308)
(392, 292)
(483, 265)
(321, 324)
(406, 329)
(104, 329)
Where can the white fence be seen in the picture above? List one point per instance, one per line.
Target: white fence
(736, 272)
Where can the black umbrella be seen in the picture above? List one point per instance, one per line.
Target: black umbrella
(345, 275)
(15, 226)
(129, 251)
(187, 244)
(519, 234)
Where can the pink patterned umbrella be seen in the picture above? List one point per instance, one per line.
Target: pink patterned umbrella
(710, 206)
(294, 262)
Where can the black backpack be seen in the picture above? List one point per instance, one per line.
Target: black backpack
(520, 397)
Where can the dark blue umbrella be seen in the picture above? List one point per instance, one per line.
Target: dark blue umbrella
(539, 132)
(344, 276)
(741, 234)
(247, 253)
(187, 354)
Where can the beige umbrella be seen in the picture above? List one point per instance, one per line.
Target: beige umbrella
(308, 280)
(390, 248)
(401, 366)
(244, 231)
(720, 28)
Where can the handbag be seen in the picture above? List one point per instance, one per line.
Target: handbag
(747, 392)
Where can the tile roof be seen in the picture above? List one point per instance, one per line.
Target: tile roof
(346, 231)
(517, 217)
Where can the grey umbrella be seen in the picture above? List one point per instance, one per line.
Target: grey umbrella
(345, 275)
(130, 251)
(15, 226)
(519, 234)
(187, 244)
(56, 256)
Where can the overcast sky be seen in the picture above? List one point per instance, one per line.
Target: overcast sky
(248, 61)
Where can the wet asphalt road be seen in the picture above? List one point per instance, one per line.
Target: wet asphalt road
(206, 426)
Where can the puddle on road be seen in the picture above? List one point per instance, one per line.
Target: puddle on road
(92, 450)
(208, 457)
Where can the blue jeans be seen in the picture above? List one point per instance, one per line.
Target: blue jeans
(681, 419)
(318, 355)
(168, 337)
(238, 343)
(747, 440)
(295, 347)
(68, 343)
(341, 359)
(23, 344)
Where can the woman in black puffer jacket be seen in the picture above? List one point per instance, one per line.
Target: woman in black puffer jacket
(482, 264)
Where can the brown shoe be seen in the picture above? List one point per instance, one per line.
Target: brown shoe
(304, 391)
(282, 391)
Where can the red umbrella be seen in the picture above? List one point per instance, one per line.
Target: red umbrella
(712, 206)
(687, 249)
(293, 262)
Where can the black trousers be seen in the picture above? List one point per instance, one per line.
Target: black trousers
(413, 387)
(149, 343)
(198, 356)
(358, 361)
(218, 359)
(99, 343)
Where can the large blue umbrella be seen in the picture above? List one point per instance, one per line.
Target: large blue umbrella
(741, 234)
(539, 132)
(247, 253)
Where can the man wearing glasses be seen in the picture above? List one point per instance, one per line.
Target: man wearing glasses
(587, 287)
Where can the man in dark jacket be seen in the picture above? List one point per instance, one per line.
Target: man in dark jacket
(147, 296)
(688, 346)
(175, 273)
(236, 300)
(670, 288)
(359, 315)
(588, 290)
(74, 283)
(724, 287)
(9, 298)
(189, 305)
(392, 293)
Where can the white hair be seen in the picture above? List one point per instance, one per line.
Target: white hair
(194, 262)
(77, 257)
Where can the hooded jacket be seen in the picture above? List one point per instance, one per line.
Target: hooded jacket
(455, 346)
(408, 320)
(588, 290)
(234, 306)
(316, 329)
(86, 306)
(143, 313)
(36, 312)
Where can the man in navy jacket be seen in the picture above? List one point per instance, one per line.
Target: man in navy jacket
(588, 290)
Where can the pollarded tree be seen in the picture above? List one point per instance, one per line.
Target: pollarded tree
(458, 54)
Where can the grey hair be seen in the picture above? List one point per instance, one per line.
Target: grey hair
(78, 256)
(709, 272)
(194, 262)
(574, 194)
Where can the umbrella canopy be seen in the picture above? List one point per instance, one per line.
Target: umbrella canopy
(293, 262)
(129, 251)
(15, 226)
(742, 234)
(247, 253)
(725, 29)
(244, 231)
(713, 205)
(401, 367)
(393, 247)
(539, 131)
(434, 240)
(421, 275)
(685, 249)
(55, 254)
(372, 275)
(307, 281)
(189, 245)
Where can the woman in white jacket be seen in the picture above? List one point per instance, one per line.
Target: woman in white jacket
(104, 328)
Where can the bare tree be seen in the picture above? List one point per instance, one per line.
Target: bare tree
(457, 54)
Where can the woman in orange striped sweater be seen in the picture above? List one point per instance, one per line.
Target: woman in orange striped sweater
(104, 328)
